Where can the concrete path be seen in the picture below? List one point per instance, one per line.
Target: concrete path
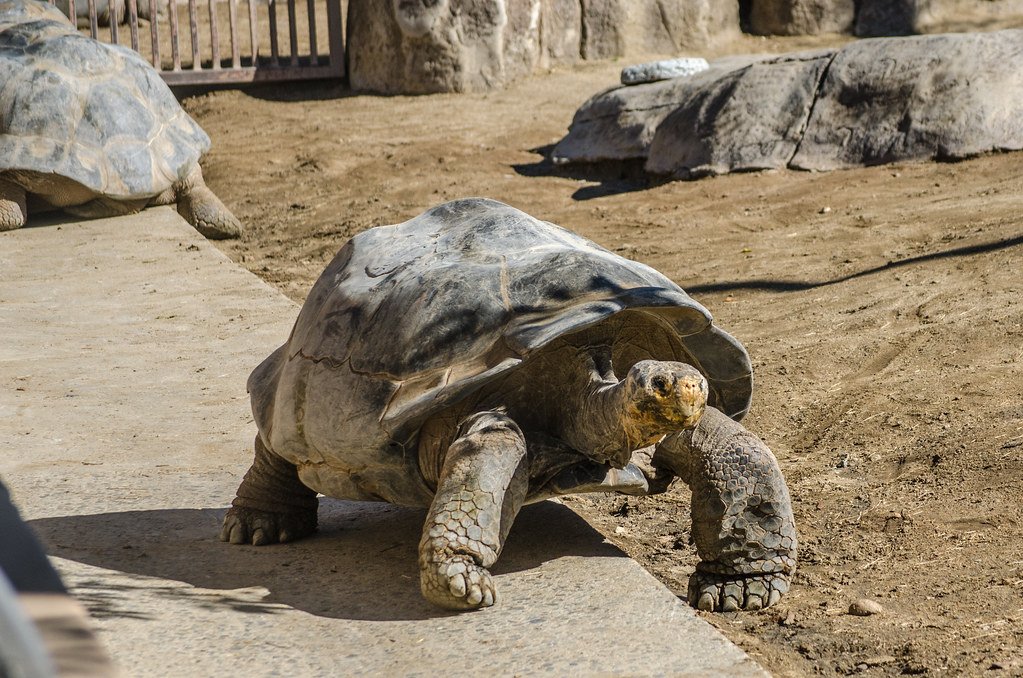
(125, 429)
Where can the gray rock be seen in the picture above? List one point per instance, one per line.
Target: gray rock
(665, 69)
(619, 123)
(750, 119)
(873, 101)
(802, 17)
(421, 46)
(937, 96)
(890, 17)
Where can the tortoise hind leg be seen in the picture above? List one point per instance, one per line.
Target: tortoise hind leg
(742, 516)
(13, 205)
(272, 506)
(200, 207)
(482, 485)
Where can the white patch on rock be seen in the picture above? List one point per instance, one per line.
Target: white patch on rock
(663, 70)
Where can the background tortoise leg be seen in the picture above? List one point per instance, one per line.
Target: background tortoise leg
(272, 506)
(200, 207)
(482, 485)
(13, 205)
(742, 516)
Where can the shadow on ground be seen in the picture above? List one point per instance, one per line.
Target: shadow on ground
(611, 178)
(360, 565)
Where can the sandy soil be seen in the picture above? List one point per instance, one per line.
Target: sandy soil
(881, 308)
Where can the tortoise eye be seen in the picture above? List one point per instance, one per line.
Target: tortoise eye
(660, 384)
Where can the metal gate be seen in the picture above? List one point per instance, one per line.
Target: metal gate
(263, 41)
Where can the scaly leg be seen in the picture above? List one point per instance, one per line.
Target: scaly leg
(742, 516)
(272, 506)
(200, 207)
(481, 488)
(13, 207)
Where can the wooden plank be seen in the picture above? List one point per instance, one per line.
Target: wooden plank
(93, 23)
(214, 35)
(253, 26)
(293, 32)
(335, 39)
(314, 59)
(114, 36)
(236, 52)
(172, 12)
(154, 33)
(193, 27)
(133, 23)
(72, 12)
(246, 74)
(274, 52)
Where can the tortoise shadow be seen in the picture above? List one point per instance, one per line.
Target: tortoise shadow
(361, 564)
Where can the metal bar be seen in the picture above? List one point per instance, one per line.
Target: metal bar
(133, 23)
(253, 26)
(93, 23)
(113, 23)
(272, 4)
(335, 38)
(236, 53)
(214, 35)
(154, 33)
(193, 27)
(313, 57)
(172, 10)
(293, 32)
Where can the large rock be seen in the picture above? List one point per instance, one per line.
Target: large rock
(619, 123)
(420, 46)
(749, 119)
(891, 17)
(873, 101)
(935, 96)
(802, 17)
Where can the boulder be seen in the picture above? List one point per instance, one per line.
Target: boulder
(749, 119)
(873, 101)
(932, 96)
(802, 17)
(891, 17)
(619, 123)
(420, 46)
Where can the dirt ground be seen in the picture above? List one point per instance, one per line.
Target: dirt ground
(881, 307)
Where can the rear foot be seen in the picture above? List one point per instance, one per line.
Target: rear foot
(457, 584)
(251, 526)
(729, 593)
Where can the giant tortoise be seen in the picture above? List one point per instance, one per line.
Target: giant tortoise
(474, 359)
(92, 129)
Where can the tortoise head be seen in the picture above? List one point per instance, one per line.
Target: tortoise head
(662, 397)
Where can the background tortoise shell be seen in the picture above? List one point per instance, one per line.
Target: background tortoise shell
(95, 113)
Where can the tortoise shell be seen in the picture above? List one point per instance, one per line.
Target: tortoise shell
(412, 318)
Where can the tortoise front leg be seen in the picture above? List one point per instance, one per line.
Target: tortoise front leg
(13, 205)
(481, 487)
(272, 506)
(742, 516)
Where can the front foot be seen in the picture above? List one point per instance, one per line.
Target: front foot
(729, 593)
(457, 584)
(252, 526)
